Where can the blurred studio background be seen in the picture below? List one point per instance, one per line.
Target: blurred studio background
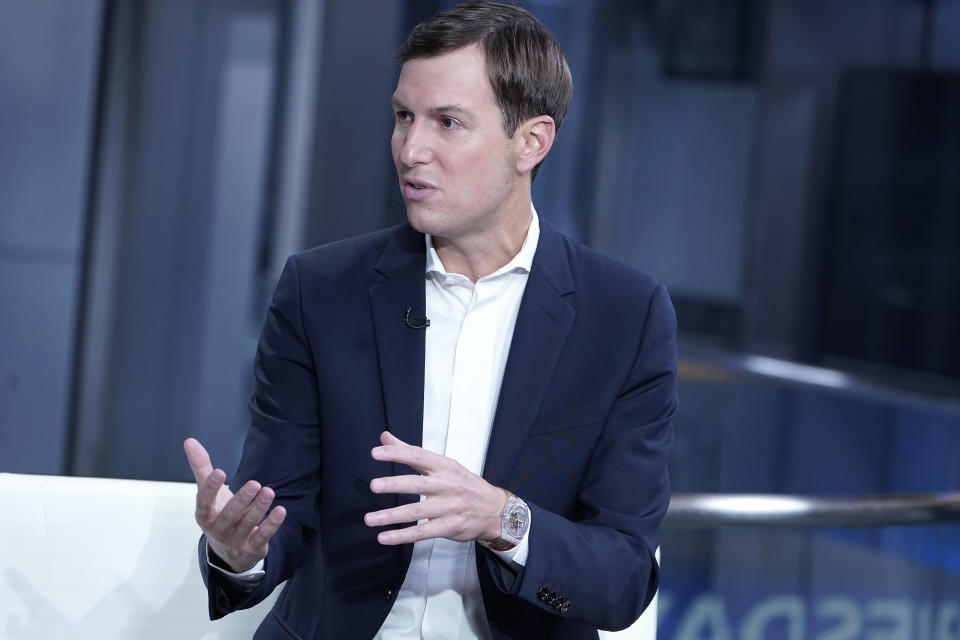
(789, 168)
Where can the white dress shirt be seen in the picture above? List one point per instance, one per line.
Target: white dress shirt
(466, 348)
(467, 342)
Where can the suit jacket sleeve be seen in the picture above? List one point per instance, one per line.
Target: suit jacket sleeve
(281, 447)
(602, 561)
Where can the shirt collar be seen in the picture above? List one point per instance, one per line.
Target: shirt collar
(522, 261)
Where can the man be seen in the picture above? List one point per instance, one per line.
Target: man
(463, 420)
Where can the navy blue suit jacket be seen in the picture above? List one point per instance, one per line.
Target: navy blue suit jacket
(581, 432)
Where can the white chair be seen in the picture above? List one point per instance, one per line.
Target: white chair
(91, 558)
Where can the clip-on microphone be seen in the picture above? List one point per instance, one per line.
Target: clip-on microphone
(415, 323)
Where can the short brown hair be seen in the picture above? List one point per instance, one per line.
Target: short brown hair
(526, 66)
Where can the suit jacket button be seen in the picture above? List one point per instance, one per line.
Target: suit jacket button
(542, 593)
(565, 606)
(389, 592)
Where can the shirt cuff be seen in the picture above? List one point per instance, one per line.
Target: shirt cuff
(251, 576)
(518, 554)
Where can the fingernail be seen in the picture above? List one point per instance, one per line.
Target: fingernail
(371, 518)
(376, 452)
(384, 538)
(376, 485)
(264, 498)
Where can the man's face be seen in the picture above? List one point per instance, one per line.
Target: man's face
(455, 163)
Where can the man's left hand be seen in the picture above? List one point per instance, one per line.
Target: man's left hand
(458, 505)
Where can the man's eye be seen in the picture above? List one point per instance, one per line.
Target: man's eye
(403, 116)
(448, 123)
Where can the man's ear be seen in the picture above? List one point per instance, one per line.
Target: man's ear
(534, 137)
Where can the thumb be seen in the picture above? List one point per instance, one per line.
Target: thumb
(198, 458)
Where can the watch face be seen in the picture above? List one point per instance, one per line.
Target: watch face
(517, 521)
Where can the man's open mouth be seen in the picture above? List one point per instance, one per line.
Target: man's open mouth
(420, 185)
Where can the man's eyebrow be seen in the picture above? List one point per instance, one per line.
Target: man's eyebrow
(447, 108)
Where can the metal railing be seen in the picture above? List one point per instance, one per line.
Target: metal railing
(711, 510)
(721, 364)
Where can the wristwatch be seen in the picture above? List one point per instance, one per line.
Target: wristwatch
(514, 522)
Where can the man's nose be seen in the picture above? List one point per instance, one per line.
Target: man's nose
(416, 145)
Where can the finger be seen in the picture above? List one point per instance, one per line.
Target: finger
(431, 529)
(414, 484)
(198, 458)
(262, 534)
(232, 513)
(414, 512)
(207, 491)
(419, 459)
(388, 438)
(254, 514)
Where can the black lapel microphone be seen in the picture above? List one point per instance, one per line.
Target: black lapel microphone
(415, 323)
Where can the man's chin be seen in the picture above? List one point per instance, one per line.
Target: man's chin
(422, 220)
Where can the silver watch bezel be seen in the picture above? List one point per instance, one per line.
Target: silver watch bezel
(514, 504)
(507, 540)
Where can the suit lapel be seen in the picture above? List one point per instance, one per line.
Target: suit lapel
(400, 349)
(543, 322)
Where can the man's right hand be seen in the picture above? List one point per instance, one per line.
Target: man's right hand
(234, 525)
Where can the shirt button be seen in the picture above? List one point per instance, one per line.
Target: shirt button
(389, 592)
(542, 593)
